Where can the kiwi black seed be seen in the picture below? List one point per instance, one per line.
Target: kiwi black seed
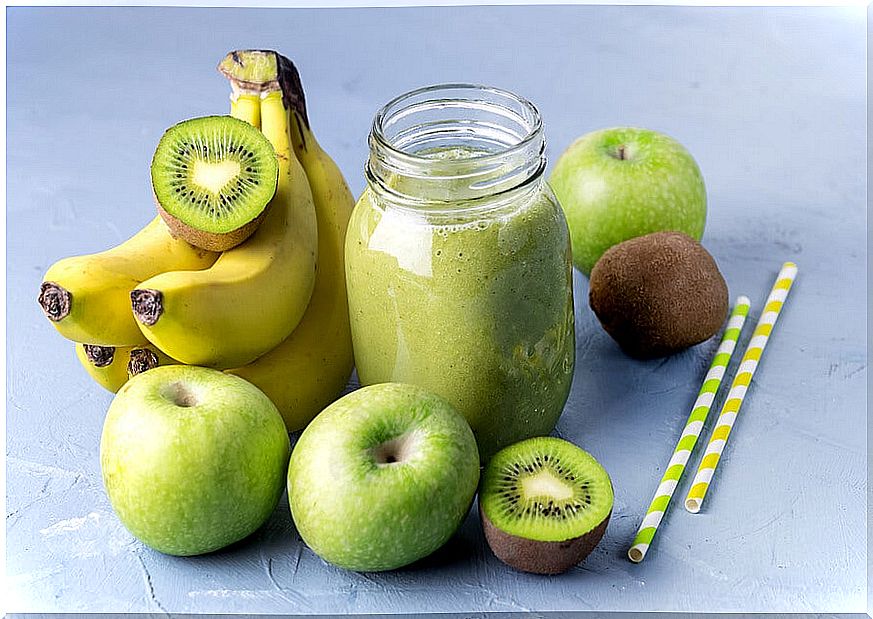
(658, 294)
(544, 505)
(213, 179)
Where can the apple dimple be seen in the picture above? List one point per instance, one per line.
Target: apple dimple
(397, 450)
(180, 394)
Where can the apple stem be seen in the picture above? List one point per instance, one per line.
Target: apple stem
(621, 152)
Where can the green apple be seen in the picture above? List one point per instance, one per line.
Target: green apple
(620, 183)
(382, 477)
(193, 459)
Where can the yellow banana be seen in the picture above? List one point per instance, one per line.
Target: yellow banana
(111, 366)
(87, 298)
(310, 369)
(255, 294)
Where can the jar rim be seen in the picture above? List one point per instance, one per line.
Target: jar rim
(534, 133)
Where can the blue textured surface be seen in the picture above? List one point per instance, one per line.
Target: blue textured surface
(770, 101)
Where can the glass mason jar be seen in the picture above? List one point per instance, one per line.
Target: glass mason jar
(458, 261)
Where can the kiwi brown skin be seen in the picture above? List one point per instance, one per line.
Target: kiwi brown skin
(536, 557)
(211, 241)
(658, 294)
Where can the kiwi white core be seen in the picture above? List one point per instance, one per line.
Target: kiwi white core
(545, 484)
(213, 177)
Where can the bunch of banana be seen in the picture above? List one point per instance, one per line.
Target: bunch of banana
(87, 298)
(255, 294)
(308, 370)
(260, 310)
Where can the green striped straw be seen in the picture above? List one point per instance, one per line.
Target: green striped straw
(693, 427)
(734, 400)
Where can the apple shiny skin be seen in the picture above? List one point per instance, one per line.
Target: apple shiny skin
(382, 477)
(193, 459)
(623, 182)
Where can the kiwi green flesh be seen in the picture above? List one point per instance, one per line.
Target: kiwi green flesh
(213, 174)
(539, 557)
(658, 294)
(545, 489)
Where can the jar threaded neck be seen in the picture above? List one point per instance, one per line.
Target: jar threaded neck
(455, 143)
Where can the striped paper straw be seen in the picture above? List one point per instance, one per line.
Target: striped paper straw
(734, 400)
(693, 426)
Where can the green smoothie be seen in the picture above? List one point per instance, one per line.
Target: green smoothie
(473, 303)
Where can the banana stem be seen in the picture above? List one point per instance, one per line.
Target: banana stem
(246, 107)
(263, 71)
(274, 124)
(301, 136)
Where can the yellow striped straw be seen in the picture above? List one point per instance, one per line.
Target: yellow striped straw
(734, 400)
(691, 432)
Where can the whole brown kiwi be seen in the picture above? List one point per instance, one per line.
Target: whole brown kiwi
(658, 294)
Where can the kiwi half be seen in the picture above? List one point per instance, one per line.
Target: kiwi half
(213, 178)
(544, 505)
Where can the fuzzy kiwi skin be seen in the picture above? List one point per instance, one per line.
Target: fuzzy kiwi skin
(538, 557)
(211, 241)
(658, 294)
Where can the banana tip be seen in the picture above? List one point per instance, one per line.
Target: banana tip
(55, 301)
(147, 305)
(99, 356)
(141, 360)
